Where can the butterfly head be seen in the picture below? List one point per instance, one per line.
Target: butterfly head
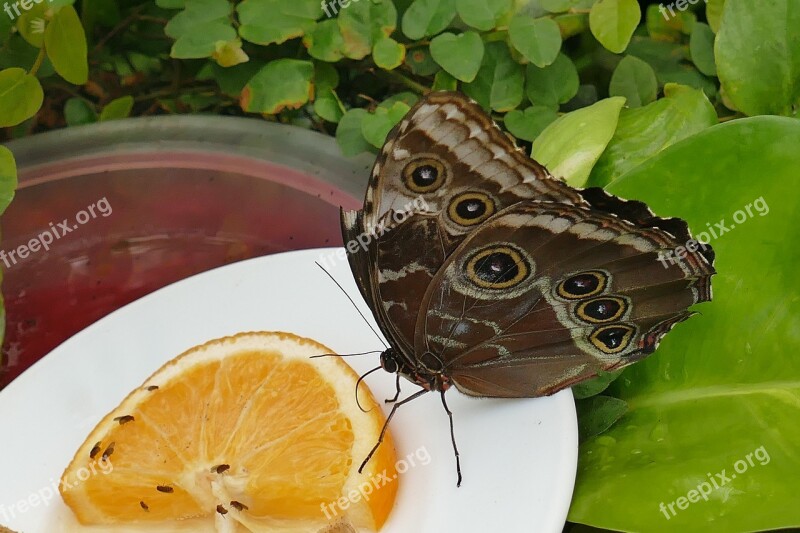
(428, 373)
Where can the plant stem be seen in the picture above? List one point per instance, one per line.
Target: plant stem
(404, 80)
(39, 60)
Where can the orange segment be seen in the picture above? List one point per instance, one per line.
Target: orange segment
(245, 431)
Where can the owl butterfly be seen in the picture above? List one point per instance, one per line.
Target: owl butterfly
(510, 284)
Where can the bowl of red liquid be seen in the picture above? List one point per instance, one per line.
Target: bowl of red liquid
(109, 212)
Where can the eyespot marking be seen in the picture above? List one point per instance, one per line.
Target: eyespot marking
(602, 310)
(498, 267)
(613, 338)
(424, 175)
(470, 208)
(583, 285)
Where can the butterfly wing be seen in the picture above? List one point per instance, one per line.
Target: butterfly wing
(544, 295)
(444, 169)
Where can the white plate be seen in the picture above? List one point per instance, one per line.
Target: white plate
(519, 457)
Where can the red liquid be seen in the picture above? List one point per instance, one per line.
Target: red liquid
(172, 215)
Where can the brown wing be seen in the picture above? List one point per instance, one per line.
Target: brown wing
(543, 295)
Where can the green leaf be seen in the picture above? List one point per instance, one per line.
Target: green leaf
(388, 54)
(499, 84)
(8, 182)
(325, 76)
(483, 15)
(21, 96)
(571, 24)
(722, 392)
(528, 124)
(328, 106)
(229, 53)
(275, 21)
(760, 78)
(554, 84)
(348, 134)
(459, 55)
(325, 41)
(197, 13)
(644, 132)
(635, 80)
(281, 84)
(538, 40)
(663, 26)
(232, 80)
(613, 21)
(669, 62)
(376, 126)
(597, 414)
(701, 46)
(117, 108)
(78, 111)
(428, 17)
(204, 41)
(66, 46)
(420, 62)
(444, 82)
(560, 6)
(714, 13)
(32, 24)
(594, 386)
(364, 23)
(571, 145)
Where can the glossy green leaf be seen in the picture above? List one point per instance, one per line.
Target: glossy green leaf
(459, 55)
(597, 414)
(275, 21)
(528, 124)
(635, 80)
(538, 40)
(571, 145)
(66, 46)
(714, 13)
(78, 111)
(281, 84)
(722, 393)
(483, 15)
(645, 131)
(701, 47)
(613, 21)
(760, 78)
(376, 126)
(325, 41)
(554, 84)
(428, 17)
(388, 53)
(8, 179)
(348, 134)
(21, 96)
(499, 84)
(117, 108)
(363, 24)
(594, 386)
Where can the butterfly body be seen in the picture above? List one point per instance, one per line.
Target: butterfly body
(509, 283)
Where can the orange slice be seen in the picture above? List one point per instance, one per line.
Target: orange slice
(246, 432)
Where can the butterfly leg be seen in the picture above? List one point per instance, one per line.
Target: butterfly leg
(453, 439)
(386, 426)
(397, 393)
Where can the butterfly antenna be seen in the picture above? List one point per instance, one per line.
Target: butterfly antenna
(354, 304)
(386, 426)
(344, 354)
(453, 439)
(359, 383)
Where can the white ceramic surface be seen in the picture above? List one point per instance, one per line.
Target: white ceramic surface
(519, 457)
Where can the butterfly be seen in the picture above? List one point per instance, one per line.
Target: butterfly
(508, 283)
